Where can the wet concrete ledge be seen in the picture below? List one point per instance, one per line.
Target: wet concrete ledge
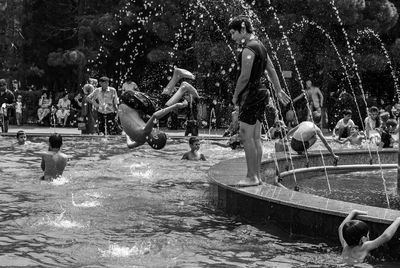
(297, 212)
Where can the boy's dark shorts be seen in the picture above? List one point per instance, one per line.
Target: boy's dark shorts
(249, 114)
(138, 101)
(299, 146)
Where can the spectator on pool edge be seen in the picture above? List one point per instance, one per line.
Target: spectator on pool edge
(7, 100)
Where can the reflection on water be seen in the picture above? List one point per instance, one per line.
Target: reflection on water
(346, 187)
(116, 207)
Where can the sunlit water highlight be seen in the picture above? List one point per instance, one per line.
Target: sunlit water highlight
(118, 207)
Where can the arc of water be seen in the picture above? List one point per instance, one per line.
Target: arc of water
(370, 32)
(300, 80)
(200, 4)
(332, 3)
(344, 66)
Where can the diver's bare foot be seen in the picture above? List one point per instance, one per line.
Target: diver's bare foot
(182, 73)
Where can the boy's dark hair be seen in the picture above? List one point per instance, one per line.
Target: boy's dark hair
(353, 231)
(237, 23)
(19, 133)
(391, 123)
(374, 109)
(347, 112)
(193, 140)
(55, 141)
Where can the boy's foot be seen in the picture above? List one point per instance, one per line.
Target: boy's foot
(182, 73)
(247, 183)
(178, 75)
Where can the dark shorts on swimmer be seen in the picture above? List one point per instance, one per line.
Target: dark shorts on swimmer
(299, 146)
(138, 101)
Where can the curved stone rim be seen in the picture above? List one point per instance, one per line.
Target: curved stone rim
(275, 194)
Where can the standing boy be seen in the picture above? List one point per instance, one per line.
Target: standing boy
(7, 99)
(255, 72)
(53, 161)
(18, 110)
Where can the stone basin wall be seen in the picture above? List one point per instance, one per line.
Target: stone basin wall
(297, 212)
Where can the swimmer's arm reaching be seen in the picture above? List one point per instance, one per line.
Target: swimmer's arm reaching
(386, 236)
(291, 132)
(325, 142)
(224, 145)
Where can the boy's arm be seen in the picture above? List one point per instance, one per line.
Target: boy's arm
(160, 114)
(324, 141)
(185, 156)
(321, 97)
(270, 70)
(290, 132)
(245, 73)
(385, 237)
(349, 217)
(42, 164)
(132, 144)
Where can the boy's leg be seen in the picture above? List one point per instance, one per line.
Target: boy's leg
(160, 114)
(178, 75)
(184, 88)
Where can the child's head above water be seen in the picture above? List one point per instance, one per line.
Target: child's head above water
(355, 232)
(55, 141)
(21, 137)
(194, 143)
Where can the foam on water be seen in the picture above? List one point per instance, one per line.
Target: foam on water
(85, 204)
(61, 180)
(115, 250)
(60, 222)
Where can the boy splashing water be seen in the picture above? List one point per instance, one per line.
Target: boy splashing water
(53, 161)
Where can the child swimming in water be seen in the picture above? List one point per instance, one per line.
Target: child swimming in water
(354, 237)
(194, 154)
(21, 139)
(53, 161)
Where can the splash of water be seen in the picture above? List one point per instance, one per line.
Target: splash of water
(60, 222)
(61, 180)
(86, 204)
(115, 250)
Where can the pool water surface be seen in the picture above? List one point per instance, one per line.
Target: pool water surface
(116, 207)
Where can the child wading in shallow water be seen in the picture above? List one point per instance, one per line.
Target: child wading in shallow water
(354, 237)
(356, 137)
(194, 154)
(53, 161)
